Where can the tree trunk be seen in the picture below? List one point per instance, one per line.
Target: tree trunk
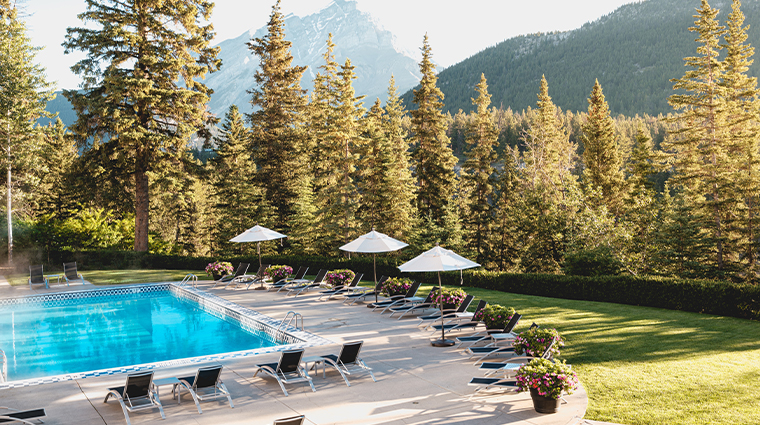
(141, 211)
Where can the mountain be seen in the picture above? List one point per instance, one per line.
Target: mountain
(633, 52)
(373, 50)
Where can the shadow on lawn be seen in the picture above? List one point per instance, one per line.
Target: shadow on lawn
(600, 332)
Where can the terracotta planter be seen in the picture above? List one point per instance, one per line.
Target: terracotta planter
(544, 404)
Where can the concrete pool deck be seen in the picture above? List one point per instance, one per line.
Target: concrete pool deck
(416, 383)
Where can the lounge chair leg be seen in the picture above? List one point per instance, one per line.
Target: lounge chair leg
(224, 390)
(195, 397)
(283, 387)
(126, 412)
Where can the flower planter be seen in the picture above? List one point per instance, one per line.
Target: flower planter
(450, 306)
(216, 276)
(544, 404)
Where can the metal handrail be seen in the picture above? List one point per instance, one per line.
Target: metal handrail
(289, 317)
(189, 279)
(4, 374)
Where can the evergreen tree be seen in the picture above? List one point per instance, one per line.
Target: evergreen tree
(701, 160)
(141, 93)
(55, 190)
(505, 235)
(434, 159)
(548, 155)
(240, 202)
(601, 155)
(279, 105)
(335, 114)
(398, 186)
(374, 168)
(743, 134)
(304, 236)
(479, 174)
(24, 93)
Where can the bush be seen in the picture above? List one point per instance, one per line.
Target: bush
(595, 262)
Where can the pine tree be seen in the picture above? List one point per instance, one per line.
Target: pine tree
(398, 184)
(701, 161)
(279, 105)
(373, 169)
(601, 155)
(24, 92)
(304, 230)
(335, 112)
(240, 202)
(58, 157)
(743, 133)
(434, 159)
(549, 155)
(505, 235)
(479, 174)
(141, 93)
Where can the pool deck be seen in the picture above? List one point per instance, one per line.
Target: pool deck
(416, 383)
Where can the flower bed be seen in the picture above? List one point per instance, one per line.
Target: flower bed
(278, 272)
(495, 316)
(549, 379)
(219, 268)
(396, 286)
(339, 277)
(534, 342)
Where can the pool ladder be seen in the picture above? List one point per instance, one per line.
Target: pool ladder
(190, 279)
(289, 318)
(4, 371)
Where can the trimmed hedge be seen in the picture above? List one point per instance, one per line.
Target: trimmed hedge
(701, 296)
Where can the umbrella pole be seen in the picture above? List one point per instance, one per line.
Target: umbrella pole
(374, 269)
(443, 342)
(258, 249)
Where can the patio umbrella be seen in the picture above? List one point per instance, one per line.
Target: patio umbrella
(439, 260)
(374, 242)
(258, 234)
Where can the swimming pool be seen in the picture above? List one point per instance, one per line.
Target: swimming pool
(73, 335)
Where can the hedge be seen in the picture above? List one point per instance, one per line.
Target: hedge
(701, 296)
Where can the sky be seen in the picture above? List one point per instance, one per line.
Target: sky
(456, 29)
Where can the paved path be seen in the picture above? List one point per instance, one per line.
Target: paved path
(417, 383)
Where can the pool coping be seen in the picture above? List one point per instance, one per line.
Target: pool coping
(246, 318)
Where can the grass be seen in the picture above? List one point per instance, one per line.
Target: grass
(639, 365)
(119, 277)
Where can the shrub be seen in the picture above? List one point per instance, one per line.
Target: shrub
(534, 342)
(593, 262)
(396, 286)
(278, 272)
(549, 379)
(495, 316)
(339, 277)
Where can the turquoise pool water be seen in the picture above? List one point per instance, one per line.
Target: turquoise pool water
(63, 337)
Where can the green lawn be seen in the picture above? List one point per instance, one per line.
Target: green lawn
(639, 365)
(120, 277)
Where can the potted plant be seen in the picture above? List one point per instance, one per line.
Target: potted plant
(279, 272)
(451, 298)
(534, 342)
(339, 277)
(396, 286)
(495, 316)
(217, 269)
(546, 380)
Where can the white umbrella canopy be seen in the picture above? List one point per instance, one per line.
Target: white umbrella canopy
(439, 260)
(258, 234)
(372, 243)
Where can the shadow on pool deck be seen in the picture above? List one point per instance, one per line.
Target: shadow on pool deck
(417, 383)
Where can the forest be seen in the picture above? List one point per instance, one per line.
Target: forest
(539, 190)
